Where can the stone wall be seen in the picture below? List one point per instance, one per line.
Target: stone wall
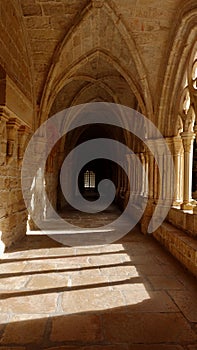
(178, 243)
(16, 118)
(13, 215)
(16, 112)
(186, 221)
(14, 57)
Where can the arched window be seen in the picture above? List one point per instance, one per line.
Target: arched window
(188, 109)
(89, 179)
(194, 177)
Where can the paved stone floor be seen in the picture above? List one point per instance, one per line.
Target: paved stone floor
(129, 295)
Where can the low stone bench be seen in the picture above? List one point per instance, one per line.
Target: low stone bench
(182, 246)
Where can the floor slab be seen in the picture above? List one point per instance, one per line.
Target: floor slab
(129, 295)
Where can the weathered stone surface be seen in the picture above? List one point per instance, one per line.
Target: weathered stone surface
(154, 347)
(187, 303)
(41, 304)
(85, 328)
(15, 348)
(91, 299)
(24, 332)
(94, 347)
(48, 281)
(31, 304)
(140, 328)
(143, 301)
(31, 9)
(13, 56)
(165, 282)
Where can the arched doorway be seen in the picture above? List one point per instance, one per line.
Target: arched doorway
(94, 171)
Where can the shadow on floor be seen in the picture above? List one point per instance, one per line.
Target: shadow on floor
(130, 295)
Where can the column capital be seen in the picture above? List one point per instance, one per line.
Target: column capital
(23, 134)
(13, 123)
(160, 146)
(187, 138)
(177, 145)
(12, 126)
(24, 131)
(142, 156)
(4, 115)
(195, 130)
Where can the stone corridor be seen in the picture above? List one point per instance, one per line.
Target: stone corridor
(123, 73)
(130, 295)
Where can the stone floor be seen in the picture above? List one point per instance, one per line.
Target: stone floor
(129, 295)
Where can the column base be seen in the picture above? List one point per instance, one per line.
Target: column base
(176, 204)
(187, 206)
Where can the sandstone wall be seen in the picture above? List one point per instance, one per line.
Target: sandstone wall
(14, 57)
(13, 215)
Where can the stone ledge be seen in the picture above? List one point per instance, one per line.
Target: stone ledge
(180, 245)
(183, 220)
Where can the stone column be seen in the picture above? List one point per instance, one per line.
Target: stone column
(35, 183)
(156, 189)
(188, 139)
(143, 175)
(132, 173)
(125, 180)
(195, 131)
(3, 194)
(12, 139)
(169, 172)
(146, 174)
(177, 150)
(137, 176)
(151, 175)
(23, 134)
(118, 183)
(3, 138)
(121, 181)
(159, 171)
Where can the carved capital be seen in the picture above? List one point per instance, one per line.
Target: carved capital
(3, 137)
(188, 120)
(195, 131)
(188, 139)
(142, 158)
(12, 141)
(23, 134)
(177, 145)
(158, 146)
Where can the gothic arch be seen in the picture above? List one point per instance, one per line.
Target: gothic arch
(183, 43)
(84, 40)
(89, 86)
(90, 82)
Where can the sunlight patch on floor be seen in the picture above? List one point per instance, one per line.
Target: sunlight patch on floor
(63, 280)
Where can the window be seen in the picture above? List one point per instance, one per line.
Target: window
(89, 179)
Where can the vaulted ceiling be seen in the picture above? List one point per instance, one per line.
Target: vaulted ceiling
(48, 21)
(143, 36)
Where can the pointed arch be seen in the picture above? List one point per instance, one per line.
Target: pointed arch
(85, 40)
(68, 76)
(89, 86)
(183, 43)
